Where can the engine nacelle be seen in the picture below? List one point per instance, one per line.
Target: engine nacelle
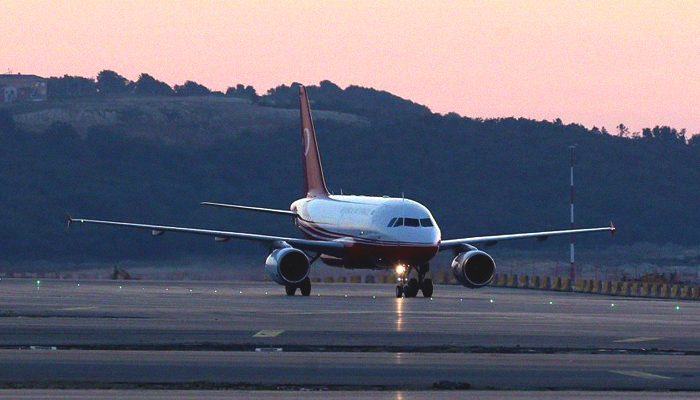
(287, 265)
(473, 269)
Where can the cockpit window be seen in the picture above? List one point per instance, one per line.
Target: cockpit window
(411, 222)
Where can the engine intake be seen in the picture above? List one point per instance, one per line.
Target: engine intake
(473, 269)
(287, 265)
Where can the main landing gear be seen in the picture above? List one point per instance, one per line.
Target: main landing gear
(304, 287)
(410, 287)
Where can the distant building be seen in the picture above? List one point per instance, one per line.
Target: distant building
(17, 87)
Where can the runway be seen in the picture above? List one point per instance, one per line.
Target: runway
(344, 337)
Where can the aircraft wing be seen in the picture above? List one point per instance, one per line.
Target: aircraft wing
(249, 208)
(332, 248)
(489, 240)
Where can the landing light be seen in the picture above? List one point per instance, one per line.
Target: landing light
(400, 269)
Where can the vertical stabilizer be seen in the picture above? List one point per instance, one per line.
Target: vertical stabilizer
(314, 184)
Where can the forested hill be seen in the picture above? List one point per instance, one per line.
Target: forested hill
(151, 158)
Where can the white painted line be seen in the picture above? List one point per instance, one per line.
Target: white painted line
(640, 374)
(637, 340)
(267, 334)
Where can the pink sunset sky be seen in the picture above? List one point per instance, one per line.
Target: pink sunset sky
(594, 62)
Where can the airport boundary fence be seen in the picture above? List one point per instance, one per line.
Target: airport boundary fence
(592, 286)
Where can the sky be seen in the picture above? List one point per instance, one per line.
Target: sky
(592, 62)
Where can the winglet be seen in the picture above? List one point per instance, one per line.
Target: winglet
(70, 220)
(612, 228)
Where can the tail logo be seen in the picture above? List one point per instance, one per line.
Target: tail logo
(306, 141)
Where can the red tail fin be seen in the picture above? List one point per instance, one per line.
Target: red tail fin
(314, 184)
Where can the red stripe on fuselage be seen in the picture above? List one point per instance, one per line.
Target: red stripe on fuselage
(367, 253)
(388, 256)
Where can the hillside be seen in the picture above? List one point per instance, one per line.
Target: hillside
(153, 159)
(192, 120)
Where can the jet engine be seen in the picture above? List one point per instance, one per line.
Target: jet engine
(287, 265)
(473, 269)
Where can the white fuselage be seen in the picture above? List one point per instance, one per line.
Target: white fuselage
(387, 231)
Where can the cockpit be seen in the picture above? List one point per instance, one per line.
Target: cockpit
(412, 222)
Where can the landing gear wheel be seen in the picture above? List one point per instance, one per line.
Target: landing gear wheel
(427, 287)
(290, 289)
(399, 291)
(305, 287)
(412, 288)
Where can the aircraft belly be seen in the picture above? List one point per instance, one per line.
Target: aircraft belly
(382, 256)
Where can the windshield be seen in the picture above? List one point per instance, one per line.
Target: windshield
(411, 222)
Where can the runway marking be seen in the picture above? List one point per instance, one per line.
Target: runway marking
(637, 339)
(79, 308)
(640, 374)
(266, 334)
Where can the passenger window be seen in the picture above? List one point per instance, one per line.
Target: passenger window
(426, 222)
(391, 223)
(399, 222)
(411, 222)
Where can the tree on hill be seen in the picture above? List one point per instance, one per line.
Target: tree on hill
(664, 134)
(148, 85)
(366, 102)
(191, 88)
(247, 92)
(7, 123)
(282, 96)
(61, 134)
(70, 86)
(110, 82)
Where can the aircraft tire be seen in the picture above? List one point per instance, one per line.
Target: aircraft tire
(412, 286)
(305, 287)
(290, 289)
(427, 288)
(399, 291)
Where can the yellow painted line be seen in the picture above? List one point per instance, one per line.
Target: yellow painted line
(640, 374)
(266, 334)
(637, 340)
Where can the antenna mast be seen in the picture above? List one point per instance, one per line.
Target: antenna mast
(572, 270)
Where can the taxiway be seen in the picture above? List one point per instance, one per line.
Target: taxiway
(249, 335)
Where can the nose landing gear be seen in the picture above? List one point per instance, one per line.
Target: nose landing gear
(409, 287)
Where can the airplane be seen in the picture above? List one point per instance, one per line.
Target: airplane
(357, 232)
